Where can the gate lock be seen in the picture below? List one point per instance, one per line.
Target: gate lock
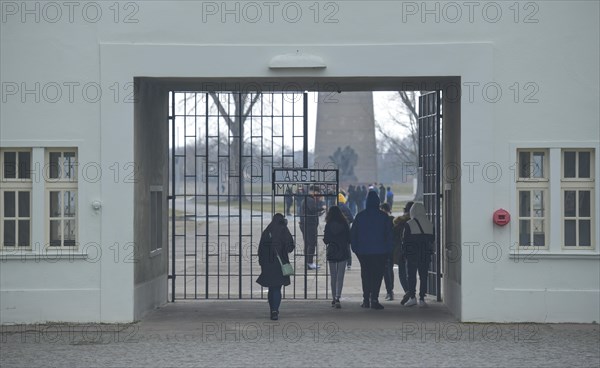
(501, 217)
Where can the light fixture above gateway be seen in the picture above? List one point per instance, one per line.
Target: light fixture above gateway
(297, 60)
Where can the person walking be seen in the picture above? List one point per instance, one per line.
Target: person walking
(418, 233)
(337, 239)
(389, 198)
(310, 210)
(276, 242)
(388, 274)
(298, 199)
(349, 218)
(351, 199)
(288, 201)
(398, 255)
(371, 240)
(382, 193)
(362, 198)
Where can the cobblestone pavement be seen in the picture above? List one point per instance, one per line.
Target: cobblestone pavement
(308, 334)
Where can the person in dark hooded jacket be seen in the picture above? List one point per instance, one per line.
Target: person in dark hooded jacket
(276, 240)
(342, 204)
(418, 233)
(337, 238)
(310, 210)
(398, 255)
(372, 241)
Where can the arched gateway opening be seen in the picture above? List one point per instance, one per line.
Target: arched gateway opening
(217, 158)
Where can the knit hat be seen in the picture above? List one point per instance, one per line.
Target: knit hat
(341, 198)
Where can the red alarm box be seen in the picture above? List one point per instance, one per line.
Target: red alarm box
(501, 217)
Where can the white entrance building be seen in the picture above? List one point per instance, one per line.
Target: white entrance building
(84, 160)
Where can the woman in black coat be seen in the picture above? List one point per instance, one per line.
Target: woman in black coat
(275, 240)
(337, 238)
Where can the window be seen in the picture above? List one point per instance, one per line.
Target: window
(577, 189)
(532, 197)
(15, 198)
(61, 197)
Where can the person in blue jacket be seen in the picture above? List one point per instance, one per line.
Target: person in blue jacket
(372, 241)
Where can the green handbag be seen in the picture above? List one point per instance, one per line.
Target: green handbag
(286, 268)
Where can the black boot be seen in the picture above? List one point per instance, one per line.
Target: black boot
(375, 305)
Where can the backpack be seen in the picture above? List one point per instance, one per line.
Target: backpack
(398, 249)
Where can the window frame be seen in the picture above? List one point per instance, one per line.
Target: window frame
(16, 185)
(578, 184)
(531, 184)
(60, 185)
(16, 179)
(545, 167)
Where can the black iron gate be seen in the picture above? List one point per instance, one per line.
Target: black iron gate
(430, 157)
(223, 148)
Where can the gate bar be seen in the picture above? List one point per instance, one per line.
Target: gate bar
(240, 187)
(173, 196)
(305, 131)
(438, 177)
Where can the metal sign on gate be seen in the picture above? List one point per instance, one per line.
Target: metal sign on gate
(324, 181)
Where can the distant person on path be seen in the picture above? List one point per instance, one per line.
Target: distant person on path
(398, 255)
(298, 198)
(349, 218)
(371, 239)
(288, 201)
(418, 232)
(388, 274)
(337, 238)
(343, 205)
(352, 199)
(389, 198)
(382, 193)
(363, 198)
(275, 240)
(310, 210)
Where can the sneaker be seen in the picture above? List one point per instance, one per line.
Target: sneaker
(365, 304)
(376, 305)
(389, 296)
(274, 315)
(349, 268)
(333, 303)
(312, 266)
(338, 305)
(422, 303)
(410, 302)
(404, 299)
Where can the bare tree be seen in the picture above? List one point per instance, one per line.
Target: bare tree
(404, 117)
(242, 114)
(234, 109)
(242, 107)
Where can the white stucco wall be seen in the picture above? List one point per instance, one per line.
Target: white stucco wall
(553, 45)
